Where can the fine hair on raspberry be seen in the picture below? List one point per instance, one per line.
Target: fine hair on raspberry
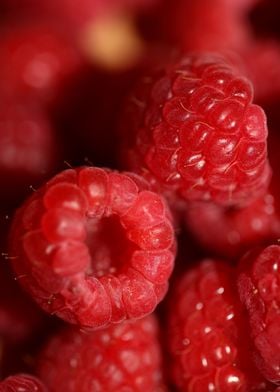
(94, 247)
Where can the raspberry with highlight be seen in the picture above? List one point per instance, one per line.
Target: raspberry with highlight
(22, 383)
(192, 129)
(207, 333)
(94, 247)
(124, 357)
(259, 289)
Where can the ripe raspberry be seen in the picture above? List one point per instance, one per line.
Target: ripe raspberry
(123, 357)
(28, 148)
(258, 285)
(207, 333)
(261, 60)
(211, 25)
(193, 130)
(228, 232)
(22, 383)
(38, 60)
(94, 246)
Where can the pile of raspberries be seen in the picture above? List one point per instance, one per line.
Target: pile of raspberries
(139, 199)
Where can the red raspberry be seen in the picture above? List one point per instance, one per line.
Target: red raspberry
(258, 285)
(28, 150)
(123, 357)
(22, 383)
(38, 60)
(193, 129)
(229, 232)
(261, 60)
(94, 247)
(210, 25)
(207, 333)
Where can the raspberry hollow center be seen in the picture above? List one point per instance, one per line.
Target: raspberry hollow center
(108, 246)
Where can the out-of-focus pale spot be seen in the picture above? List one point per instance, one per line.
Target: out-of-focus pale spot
(112, 42)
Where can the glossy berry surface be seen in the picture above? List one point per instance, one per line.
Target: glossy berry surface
(94, 246)
(229, 232)
(123, 357)
(22, 383)
(258, 285)
(207, 333)
(193, 130)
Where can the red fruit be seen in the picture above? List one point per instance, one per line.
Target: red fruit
(208, 334)
(259, 290)
(230, 231)
(123, 357)
(192, 130)
(210, 25)
(94, 247)
(36, 61)
(22, 383)
(28, 148)
(261, 60)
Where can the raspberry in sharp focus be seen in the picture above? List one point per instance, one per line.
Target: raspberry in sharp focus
(258, 285)
(22, 383)
(124, 357)
(193, 130)
(208, 334)
(94, 246)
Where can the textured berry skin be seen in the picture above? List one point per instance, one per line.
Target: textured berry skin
(192, 129)
(93, 246)
(258, 285)
(123, 357)
(38, 60)
(22, 383)
(207, 333)
(229, 232)
(28, 148)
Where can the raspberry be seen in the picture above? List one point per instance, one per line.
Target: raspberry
(192, 130)
(38, 61)
(124, 357)
(22, 383)
(28, 151)
(229, 232)
(215, 25)
(94, 246)
(207, 333)
(261, 61)
(258, 285)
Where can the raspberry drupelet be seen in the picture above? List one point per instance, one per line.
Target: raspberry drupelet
(192, 130)
(22, 383)
(94, 246)
(258, 285)
(208, 336)
(123, 357)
